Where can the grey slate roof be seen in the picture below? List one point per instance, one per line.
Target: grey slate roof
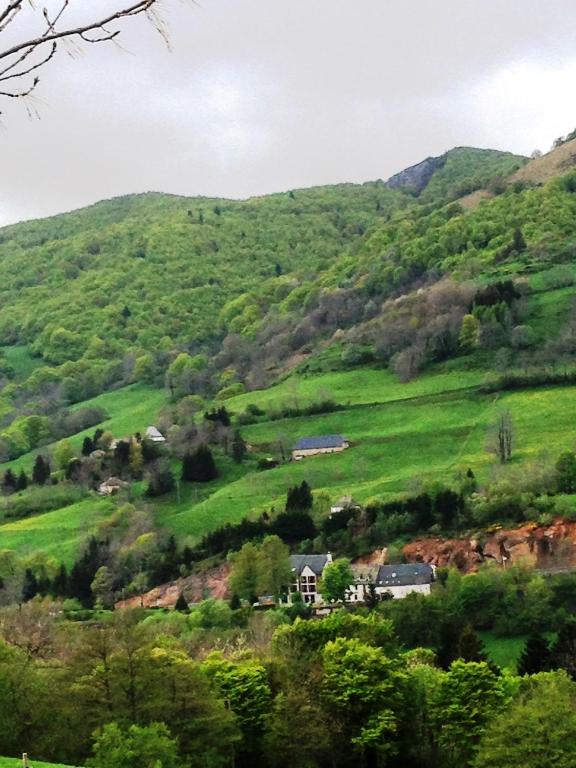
(321, 441)
(404, 575)
(316, 562)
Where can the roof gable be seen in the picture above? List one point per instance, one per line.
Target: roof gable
(316, 563)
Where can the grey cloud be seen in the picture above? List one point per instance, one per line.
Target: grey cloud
(266, 95)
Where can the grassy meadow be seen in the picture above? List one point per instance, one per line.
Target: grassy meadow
(59, 533)
(15, 762)
(401, 434)
(394, 445)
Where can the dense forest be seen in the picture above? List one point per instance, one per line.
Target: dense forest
(218, 686)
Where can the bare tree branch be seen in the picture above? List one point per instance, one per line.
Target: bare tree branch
(24, 57)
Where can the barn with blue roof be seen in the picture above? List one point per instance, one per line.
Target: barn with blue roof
(312, 446)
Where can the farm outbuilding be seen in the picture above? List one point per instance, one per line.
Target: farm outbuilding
(313, 446)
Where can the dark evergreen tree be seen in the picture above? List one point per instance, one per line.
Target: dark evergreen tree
(122, 455)
(150, 451)
(420, 508)
(41, 470)
(83, 572)
(299, 497)
(371, 598)
(9, 482)
(30, 586)
(470, 647)
(235, 602)
(448, 649)
(87, 446)
(60, 582)
(293, 527)
(563, 652)
(160, 482)
(199, 466)
(22, 482)
(239, 447)
(187, 556)
(167, 565)
(181, 604)
(220, 415)
(97, 435)
(448, 505)
(518, 242)
(535, 656)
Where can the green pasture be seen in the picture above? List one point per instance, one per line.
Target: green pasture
(393, 446)
(58, 533)
(359, 386)
(400, 435)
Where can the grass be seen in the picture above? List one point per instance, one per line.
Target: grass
(57, 534)
(359, 386)
(393, 444)
(22, 361)
(15, 762)
(401, 435)
(549, 311)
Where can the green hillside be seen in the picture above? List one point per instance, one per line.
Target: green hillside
(353, 309)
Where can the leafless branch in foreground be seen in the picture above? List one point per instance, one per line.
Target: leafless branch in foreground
(25, 56)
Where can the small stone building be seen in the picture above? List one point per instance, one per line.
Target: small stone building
(313, 446)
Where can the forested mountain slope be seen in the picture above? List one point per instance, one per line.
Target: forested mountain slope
(374, 312)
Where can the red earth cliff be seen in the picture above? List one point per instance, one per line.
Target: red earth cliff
(195, 588)
(546, 547)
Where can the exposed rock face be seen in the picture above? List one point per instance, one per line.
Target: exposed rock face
(195, 588)
(551, 547)
(416, 178)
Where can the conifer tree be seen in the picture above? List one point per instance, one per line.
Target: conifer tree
(136, 459)
(563, 652)
(199, 466)
(535, 656)
(41, 470)
(9, 482)
(30, 586)
(239, 447)
(181, 604)
(87, 446)
(60, 582)
(22, 482)
(470, 647)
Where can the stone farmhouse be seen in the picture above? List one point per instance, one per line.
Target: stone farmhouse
(313, 446)
(306, 572)
(396, 581)
(154, 435)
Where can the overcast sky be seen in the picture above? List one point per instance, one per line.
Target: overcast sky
(261, 96)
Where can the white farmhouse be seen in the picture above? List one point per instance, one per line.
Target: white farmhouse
(396, 581)
(402, 579)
